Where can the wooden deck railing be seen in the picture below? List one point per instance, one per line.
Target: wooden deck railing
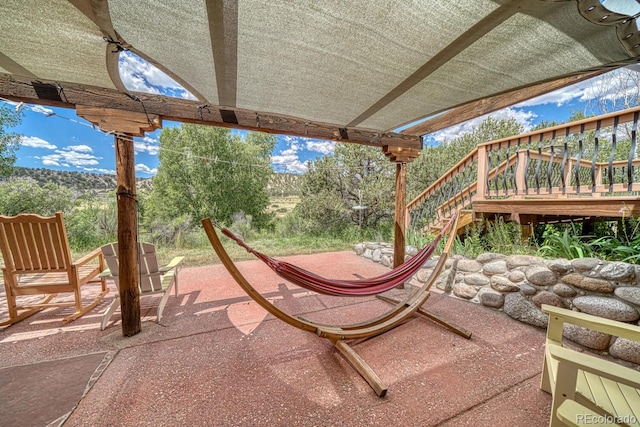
(597, 157)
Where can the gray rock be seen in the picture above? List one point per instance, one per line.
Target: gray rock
(629, 294)
(359, 248)
(410, 250)
(495, 267)
(514, 261)
(585, 264)
(520, 308)
(445, 280)
(372, 245)
(424, 274)
(527, 289)
(546, 297)
(586, 337)
(587, 283)
(618, 271)
(516, 276)
(502, 284)
(469, 265)
(476, 279)
(565, 291)
(489, 257)
(490, 298)
(376, 256)
(540, 276)
(560, 266)
(449, 262)
(626, 349)
(386, 260)
(430, 263)
(606, 307)
(367, 253)
(464, 291)
(387, 251)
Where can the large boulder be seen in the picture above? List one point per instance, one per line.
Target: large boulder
(609, 308)
(520, 308)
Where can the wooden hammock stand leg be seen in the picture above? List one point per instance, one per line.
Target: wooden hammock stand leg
(339, 335)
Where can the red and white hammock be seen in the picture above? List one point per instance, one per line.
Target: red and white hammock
(363, 287)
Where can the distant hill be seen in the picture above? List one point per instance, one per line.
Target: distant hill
(281, 184)
(78, 181)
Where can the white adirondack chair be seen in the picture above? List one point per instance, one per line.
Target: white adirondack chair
(153, 279)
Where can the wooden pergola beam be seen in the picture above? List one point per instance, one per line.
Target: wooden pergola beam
(68, 95)
(488, 105)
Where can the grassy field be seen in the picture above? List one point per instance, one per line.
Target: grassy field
(281, 206)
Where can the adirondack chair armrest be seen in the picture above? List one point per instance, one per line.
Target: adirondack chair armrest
(595, 365)
(95, 254)
(559, 316)
(175, 262)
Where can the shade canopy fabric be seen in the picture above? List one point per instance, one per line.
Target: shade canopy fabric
(375, 65)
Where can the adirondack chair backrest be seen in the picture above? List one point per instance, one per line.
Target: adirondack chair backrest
(32, 243)
(148, 269)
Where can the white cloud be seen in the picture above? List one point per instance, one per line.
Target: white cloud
(558, 97)
(525, 118)
(147, 145)
(138, 75)
(42, 110)
(79, 148)
(289, 162)
(75, 155)
(101, 170)
(35, 142)
(140, 167)
(323, 147)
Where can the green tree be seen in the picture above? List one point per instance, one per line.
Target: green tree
(210, 172)
(26, 195)
(434, 162)
(353, 176)
(9, 142)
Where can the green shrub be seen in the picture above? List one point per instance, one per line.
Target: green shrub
(566, 243)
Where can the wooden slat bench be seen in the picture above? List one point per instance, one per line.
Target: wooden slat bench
(588, 390)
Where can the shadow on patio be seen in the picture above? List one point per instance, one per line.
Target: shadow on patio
(219, 359)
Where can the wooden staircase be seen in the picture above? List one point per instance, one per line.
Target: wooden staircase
(581, 170)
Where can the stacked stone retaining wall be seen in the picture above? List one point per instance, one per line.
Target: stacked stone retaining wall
(519, 284)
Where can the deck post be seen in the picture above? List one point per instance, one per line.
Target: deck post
(481, 183)
(125, 126)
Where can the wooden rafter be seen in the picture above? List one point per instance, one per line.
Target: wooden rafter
(488, 105)
(68, 95)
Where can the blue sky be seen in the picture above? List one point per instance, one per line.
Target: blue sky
(57, 139)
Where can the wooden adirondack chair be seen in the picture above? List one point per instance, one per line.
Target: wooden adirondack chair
(37, 260)
(153, 279)
(587, 389)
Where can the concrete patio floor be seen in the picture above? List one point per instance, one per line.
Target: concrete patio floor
(219, 359)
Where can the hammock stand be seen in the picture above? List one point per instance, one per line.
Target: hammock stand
(402, 311)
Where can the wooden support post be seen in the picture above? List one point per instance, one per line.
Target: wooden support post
(399, 230)
(126, 125)
(401, 156)
(127, 236)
